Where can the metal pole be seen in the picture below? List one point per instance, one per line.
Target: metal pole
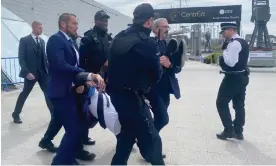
(180, 7)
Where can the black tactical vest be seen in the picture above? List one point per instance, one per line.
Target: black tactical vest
(94, 50)
(243, 58)
(119, 50)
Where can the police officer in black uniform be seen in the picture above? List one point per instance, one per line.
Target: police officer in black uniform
(93, 52)
(233, 63)
(94, 45)
(133, 67)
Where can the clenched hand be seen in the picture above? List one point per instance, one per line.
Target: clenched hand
(164, 60)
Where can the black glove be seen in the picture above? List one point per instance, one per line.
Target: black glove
(225, 44)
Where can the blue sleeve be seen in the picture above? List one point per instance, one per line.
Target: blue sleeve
(56, 56)
(174, 68)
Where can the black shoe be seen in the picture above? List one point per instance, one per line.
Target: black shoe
(89, 142)
(48, 145)
(16, 119)
(239, 136)
(224, 135)
(164, 156)
(85, 155)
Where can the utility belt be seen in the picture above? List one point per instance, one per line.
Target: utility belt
(245, 72)
(139, 94)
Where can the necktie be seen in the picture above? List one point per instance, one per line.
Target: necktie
(74, 49)
(37, 43)
(71, 42)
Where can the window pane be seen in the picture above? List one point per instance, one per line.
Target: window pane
(7, 14)
(9, 43)
(9, 49)
(19, 29)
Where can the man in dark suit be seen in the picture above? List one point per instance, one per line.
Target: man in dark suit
(34, 67)
(63, 68)
(159, 95)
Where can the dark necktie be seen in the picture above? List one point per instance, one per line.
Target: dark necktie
(73, 47)
(37, 43)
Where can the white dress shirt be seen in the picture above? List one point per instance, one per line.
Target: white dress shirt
(34, 37)
(231, 53)
(111, 117)
(89, 77)
(77, 53)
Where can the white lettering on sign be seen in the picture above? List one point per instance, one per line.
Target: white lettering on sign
(222, 11)
(260, 54)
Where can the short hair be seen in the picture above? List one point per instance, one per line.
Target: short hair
(64, 17)
(158, 20)
(36, 23)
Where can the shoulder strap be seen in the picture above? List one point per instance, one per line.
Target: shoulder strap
(122, 44)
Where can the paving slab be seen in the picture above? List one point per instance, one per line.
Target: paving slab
(189, 138)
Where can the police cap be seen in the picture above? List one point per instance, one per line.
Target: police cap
(225, 26)
(101, 14)
(142, 13)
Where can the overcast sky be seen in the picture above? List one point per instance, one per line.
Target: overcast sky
(127, 7)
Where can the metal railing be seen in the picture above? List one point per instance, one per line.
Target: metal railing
(10, 70)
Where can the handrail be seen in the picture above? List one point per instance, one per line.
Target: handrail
(10, 70)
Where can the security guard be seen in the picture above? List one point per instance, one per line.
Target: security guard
(94, 45)
(93, 52)
(133, 67)
(233, 63)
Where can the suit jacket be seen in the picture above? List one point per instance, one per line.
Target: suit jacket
(62, 66)
(26, 54)
(169, 81)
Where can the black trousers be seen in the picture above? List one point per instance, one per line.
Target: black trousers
(42, 79)
(159, 101)
(137, 123)
(233, 87)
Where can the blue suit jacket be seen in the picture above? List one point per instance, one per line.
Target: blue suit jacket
(62, 61)
(169, 80)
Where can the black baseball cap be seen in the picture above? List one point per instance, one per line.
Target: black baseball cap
(101, 14)
(225, 26)
(142, 13)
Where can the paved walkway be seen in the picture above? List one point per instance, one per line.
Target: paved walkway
(188, 139)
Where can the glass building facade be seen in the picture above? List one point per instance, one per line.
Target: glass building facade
(13, 28)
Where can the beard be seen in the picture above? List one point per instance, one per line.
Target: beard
(72, 35)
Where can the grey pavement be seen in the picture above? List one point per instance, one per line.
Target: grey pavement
(188, 139)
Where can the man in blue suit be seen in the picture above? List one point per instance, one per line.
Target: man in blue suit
(159, 95)
(63, 61)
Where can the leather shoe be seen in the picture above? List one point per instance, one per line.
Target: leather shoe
(16, 119)
(48, 145)
(85, 155)
(89, 142)
(239, 136)
(164, 156)
(224, 135)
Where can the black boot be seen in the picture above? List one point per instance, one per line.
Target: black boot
(48, 145)
(85, 155)
(16, 119)
(226, 134)
(239, 136)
